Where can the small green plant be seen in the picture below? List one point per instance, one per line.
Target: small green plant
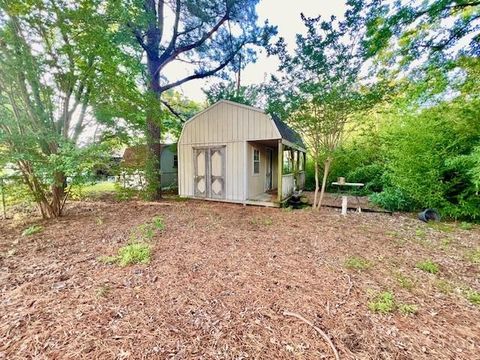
(357, 263)
(31, 230)
(404, 281)
(474, 256)
(135, 253)
(466, 225)
(383, 303)
(287, 209)
(98, 220)
(146, 232)
(158, 222)
(428, 266)
(407, 309)
(473, 296)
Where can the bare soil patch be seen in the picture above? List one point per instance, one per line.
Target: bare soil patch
(221, 278)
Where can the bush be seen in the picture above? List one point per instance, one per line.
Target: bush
(393, 200)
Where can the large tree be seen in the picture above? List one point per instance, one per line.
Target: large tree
(49, 80)
(323, 85)
(206, 35)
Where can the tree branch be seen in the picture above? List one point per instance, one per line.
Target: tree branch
(170, 54)
(201, 75)
(173, 111)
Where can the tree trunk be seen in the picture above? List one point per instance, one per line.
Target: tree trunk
(316, 184)
(153, 126)
(326, 170)
(58, 195)
(154, 133)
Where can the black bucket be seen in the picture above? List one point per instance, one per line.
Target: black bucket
(429, 215)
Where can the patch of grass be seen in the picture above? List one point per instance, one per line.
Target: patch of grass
(158, 222)
(466, 225)
(98, 220)
(146, 232)
(420, 233)
(445, 244)
(178, 198)
(404, 281)
(383, 303)
(473, 296)
(407, 309)
(357, 263)
(428, 266)
(441, 226)
(287, 209)
(444, 286)
(135, 253)
(103, 291)
(32, 230)
(474, 256)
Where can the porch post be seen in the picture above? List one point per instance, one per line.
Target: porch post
(280, 170)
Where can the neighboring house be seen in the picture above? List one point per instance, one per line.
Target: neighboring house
(237, 153)
(133, 164)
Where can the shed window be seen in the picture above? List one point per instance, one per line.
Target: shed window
(256, 161)
(175, 161)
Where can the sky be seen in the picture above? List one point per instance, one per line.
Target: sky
(286, 16)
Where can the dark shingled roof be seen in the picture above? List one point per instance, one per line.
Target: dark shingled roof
(287, 132)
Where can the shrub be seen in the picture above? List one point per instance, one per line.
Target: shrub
(357, 263)
(135, 253)
(392, 199)
(383, 303)
(428, 266)
(34, 229)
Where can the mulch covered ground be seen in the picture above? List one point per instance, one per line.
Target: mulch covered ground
(221, 278)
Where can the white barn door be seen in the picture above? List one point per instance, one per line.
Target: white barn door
(209, 177)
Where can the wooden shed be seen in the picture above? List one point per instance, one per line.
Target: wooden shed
(133, 165)
(237, 153)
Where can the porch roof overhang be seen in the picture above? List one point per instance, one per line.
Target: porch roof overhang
(293, 146)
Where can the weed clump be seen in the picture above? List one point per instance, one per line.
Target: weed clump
(357, 263)
(135, 253)
(31, 230)
(428, 266)
(383, 303)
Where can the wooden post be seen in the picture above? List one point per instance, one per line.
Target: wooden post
(344, 205)
(4, 208)
(280, 171)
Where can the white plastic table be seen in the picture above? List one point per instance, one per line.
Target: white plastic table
(345, 197)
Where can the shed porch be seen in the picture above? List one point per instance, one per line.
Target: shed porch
(273, 165)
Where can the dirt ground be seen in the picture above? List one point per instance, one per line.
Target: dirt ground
(221, 278)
